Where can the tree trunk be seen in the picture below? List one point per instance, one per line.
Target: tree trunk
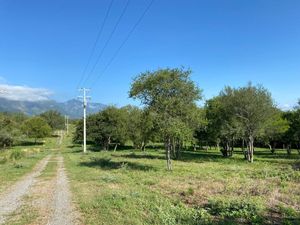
(270, 147)
(143, 147)
(245, 151)
(232, 147)
(116, 146)
(250, 149)
(288, 149)
(168, 155)
(178, 149)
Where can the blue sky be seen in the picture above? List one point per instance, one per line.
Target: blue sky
(46, 45)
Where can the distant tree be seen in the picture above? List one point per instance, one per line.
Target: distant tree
(140, 126)
(105, 128)
(253, 108)
(171, 95)
(275, 130)
(292, 135)
(54, 119)
(222, 127)
(36, 128)
(9, 129)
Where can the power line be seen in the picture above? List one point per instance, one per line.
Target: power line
(124, 42)
(96, 42)
(107, 42)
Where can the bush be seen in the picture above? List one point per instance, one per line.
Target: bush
(236, 208)
(3, 159)
(6, 140)
(16, 154)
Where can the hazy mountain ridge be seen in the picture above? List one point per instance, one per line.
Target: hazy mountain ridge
(72, 108)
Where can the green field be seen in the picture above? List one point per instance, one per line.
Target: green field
(26, 157)
(133, 187)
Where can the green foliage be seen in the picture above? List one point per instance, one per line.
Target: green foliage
(105, 128)
(36, 127)
(10, 128)
(171, 95)
(292, 136)
(54, 119)
(140, 126)
(247, 209)
(3, 159)
(6, 139)
(16, 154)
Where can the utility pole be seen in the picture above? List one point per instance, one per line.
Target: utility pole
(84, 98)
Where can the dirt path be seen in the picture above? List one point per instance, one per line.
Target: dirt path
(10, 200)
(49, 200)
(64, 212)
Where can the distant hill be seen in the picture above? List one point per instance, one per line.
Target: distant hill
(73, 107)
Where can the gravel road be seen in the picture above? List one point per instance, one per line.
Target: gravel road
(10, 200)
(64, 212)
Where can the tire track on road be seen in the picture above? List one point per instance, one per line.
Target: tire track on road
(11, 199)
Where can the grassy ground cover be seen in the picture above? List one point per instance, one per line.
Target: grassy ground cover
(132, 187)
(19, 160)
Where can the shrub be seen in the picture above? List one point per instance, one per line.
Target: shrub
(202, 216)
(236, 208)
(6, 140)
(16, 154)
(3, 159)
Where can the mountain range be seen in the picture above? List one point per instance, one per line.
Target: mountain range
(73, 108)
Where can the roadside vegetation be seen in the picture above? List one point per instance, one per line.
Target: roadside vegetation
(23, 142)
(134, 187)
(235, 160)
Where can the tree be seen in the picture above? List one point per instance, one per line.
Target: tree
(140, 126)
(104, 128)
(275, 130)
(222, 127)
(292, 135)
(171, 95)
(10, 128)
(36, 128)
(54, 119)
(253, 108)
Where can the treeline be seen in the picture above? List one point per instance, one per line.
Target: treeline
(15, 128)
(242, 116)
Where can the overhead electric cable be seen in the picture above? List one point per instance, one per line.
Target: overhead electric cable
(124, 42)
(107, 42)
(96, 42)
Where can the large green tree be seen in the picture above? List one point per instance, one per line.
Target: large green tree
(36, 128)
(171, 95)
(54, 119)
(253, 108)
(105, 127)
(222, 128)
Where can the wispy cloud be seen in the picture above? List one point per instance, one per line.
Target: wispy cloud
(24, 93)
(287, 106)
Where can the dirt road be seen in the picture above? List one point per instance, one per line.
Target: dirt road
(50, 198)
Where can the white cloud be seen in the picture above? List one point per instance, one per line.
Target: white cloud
(24, 93)
(286, 106)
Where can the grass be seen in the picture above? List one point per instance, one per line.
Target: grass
(24, 215)
(19, 160)
(132, 187)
